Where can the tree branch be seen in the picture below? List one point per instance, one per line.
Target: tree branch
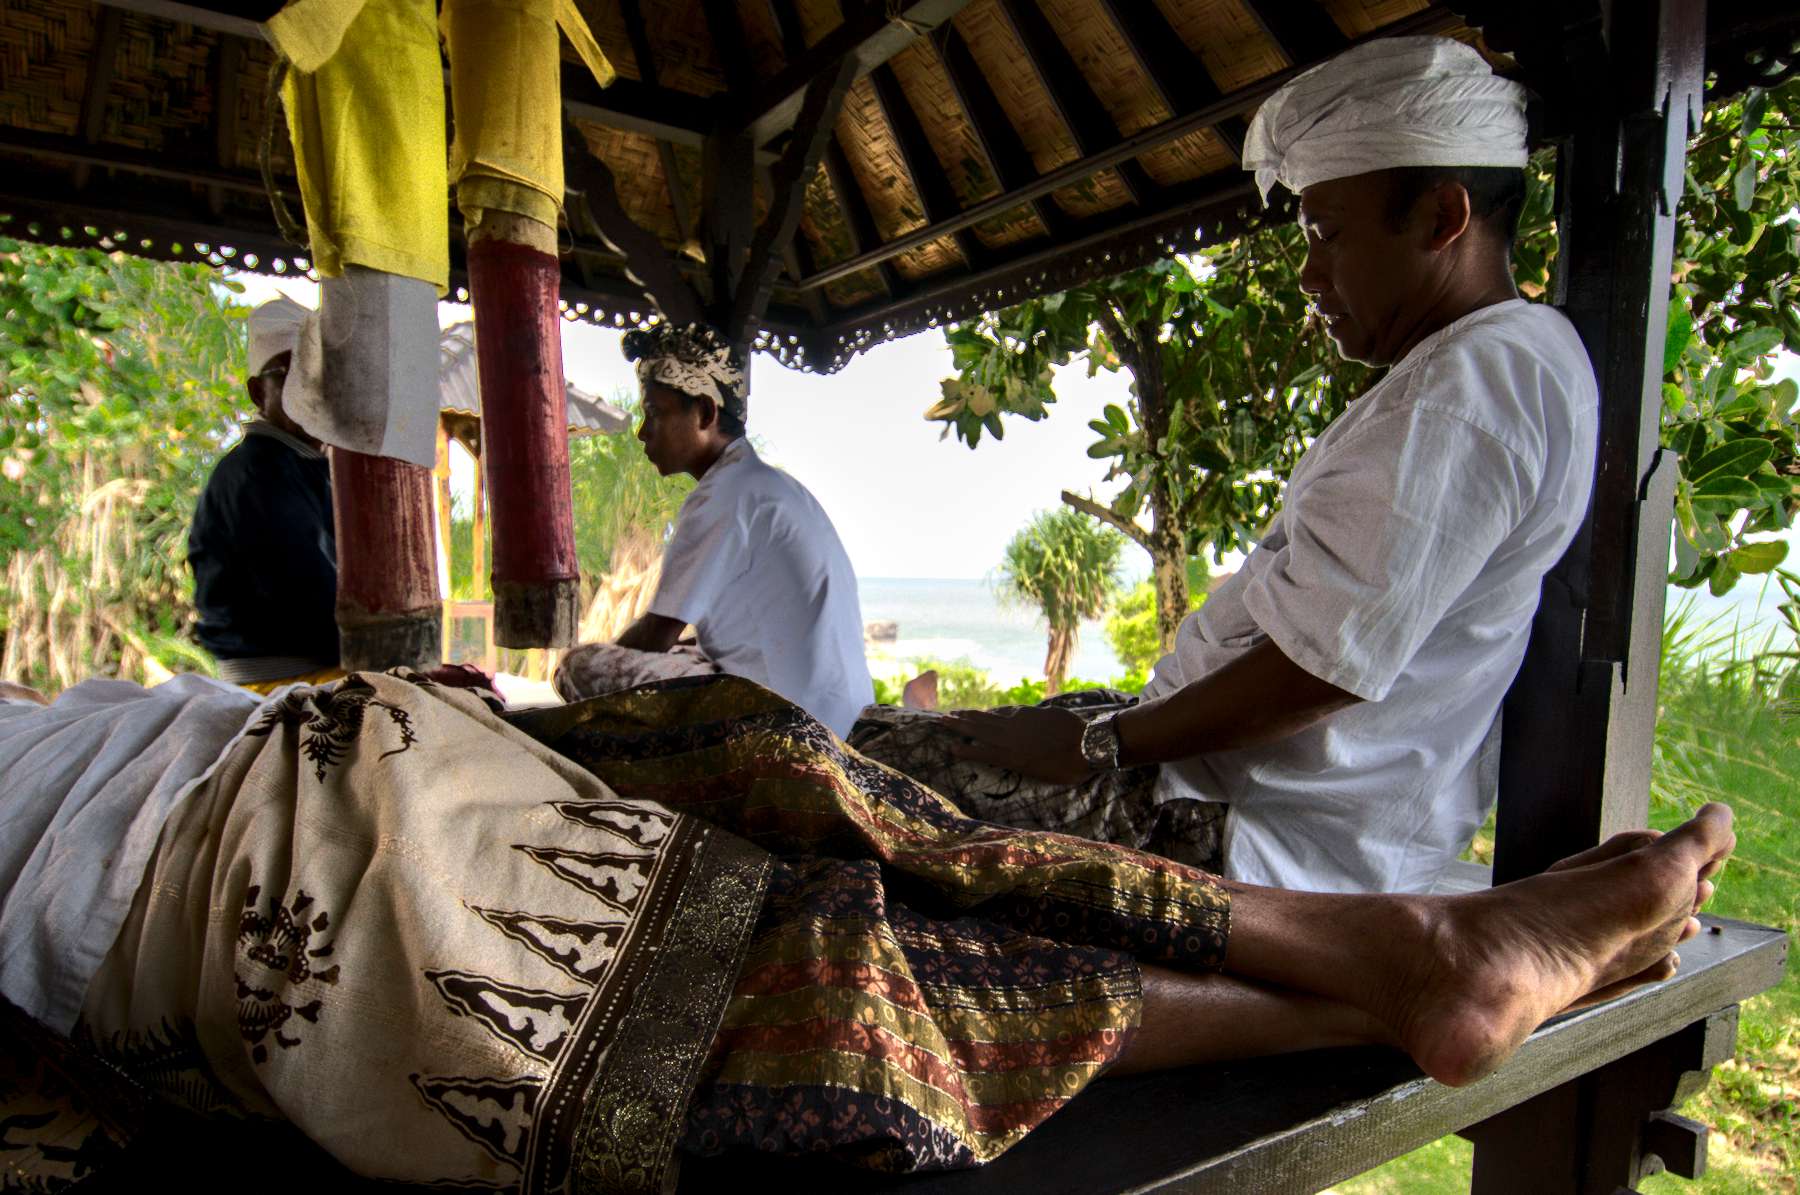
(1124, 347)
(1106, 515)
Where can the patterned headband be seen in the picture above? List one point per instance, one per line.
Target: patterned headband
(693, 359)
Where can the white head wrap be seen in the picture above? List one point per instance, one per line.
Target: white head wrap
(274, 329)
(695, 359)
(1397, 101)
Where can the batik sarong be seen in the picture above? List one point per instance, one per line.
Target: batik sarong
(922, 989)
(595, 669)
(443, 952)
(1118, 805)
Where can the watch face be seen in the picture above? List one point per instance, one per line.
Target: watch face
(1100, 743)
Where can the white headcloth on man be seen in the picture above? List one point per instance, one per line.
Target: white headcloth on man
(1396, 101)
(274, 329)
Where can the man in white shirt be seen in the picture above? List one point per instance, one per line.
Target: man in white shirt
(754, 565)
(1341, 691)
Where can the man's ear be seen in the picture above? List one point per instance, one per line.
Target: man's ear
(1451, 214)
(709, 413)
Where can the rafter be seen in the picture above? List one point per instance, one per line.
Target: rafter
(1193, 203)
(728, 45)
(1082, 112)
(1178, 75)
(994, 131)
(239, 20)
(1435, 19)
(228, 63)
(71, 150)
(868, 36)
(929, 181)
(858, 221)
(1302, 29)
(633, 17)
(101, 61)
(793, 37)
(651, 265)
(800, 160)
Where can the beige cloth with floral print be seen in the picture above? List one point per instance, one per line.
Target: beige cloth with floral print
(442, 951)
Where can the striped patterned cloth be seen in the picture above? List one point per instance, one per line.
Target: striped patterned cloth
(921, 990)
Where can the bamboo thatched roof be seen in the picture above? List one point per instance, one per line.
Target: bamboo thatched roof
(988, 150)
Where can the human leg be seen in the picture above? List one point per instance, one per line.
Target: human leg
(1460, 981)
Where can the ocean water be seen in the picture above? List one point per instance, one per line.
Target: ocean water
(963, 620)
(954, 620)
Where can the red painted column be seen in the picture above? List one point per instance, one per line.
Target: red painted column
(388, 612)
(525, 439)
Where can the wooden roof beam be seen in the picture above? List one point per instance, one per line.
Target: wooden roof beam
(858, 222)
(1178, 75)
(1301, 29)
(656, 112)
(1082, 112)
(633, 17)
(994, 131)
(239, 20)
(101, 61)
(652, 266)
(793, 37)
(799, 162)
(728, 45)
(228, 64)
(1435, 19)
(1093, 235)
(869, 35)
(929, 181)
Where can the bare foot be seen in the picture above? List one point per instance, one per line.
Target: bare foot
(1497, 964)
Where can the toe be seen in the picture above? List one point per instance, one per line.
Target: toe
(1619, 844)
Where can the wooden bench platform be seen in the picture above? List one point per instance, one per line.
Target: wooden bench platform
(1578, 1109)
(1300, 1123)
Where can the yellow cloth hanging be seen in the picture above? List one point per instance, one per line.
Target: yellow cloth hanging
(507, 93)
(365, 106)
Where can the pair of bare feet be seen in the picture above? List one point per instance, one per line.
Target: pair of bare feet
(1594, 926)
(1458, 982)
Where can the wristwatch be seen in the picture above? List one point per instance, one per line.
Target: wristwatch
(1100, 742)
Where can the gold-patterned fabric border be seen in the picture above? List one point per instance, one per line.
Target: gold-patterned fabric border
(634, 1107)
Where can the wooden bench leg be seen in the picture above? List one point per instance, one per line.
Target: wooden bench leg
(1603, 1133)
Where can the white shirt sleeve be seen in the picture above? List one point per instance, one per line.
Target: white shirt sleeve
(708, 551)
(1391, 527)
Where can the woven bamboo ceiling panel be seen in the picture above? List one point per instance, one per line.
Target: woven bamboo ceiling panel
(987, 151)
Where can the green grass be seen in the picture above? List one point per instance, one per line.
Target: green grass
(1728, 729)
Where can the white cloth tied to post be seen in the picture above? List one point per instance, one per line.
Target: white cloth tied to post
(274, 329)
(376, 392)
(1397, 101)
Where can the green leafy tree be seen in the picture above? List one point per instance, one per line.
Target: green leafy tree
(121, 381)
(1232, 378)
(1067, 565)
(618, 494)
(1131, 627)
(1229, 383)
(1732, 311)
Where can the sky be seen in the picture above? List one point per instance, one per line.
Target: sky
(905, 502)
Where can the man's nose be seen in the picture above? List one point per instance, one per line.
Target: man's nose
(1312, 275)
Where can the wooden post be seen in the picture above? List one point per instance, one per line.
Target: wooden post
(514, 282)
(378, 334)
(441, 500)
(1579, 723)
(388, 611)
(478, 575)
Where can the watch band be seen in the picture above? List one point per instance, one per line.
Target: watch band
(1100, 742)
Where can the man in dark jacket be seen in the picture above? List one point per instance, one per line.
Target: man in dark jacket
(262, 545)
